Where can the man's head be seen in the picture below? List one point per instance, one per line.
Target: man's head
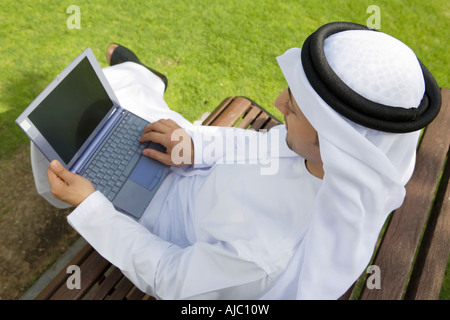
(365, 76)
(367, 163)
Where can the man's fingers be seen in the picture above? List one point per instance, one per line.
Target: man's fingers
(158, 156)
(53, 179)
(154, 137)
(56, 183)
(168, 123)
(171, 136)
(162, 126)
(67, 186)
(61, 172)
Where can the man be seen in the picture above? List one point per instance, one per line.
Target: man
(355, 105)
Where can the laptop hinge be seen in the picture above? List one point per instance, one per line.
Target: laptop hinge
(97, 141)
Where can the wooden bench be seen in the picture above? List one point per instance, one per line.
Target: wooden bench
(414, 249)
(412, 266)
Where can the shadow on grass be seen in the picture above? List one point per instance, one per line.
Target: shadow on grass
(16, 94)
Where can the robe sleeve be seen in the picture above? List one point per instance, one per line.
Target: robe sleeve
(160, 268)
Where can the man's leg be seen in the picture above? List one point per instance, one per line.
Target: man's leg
(116, 54)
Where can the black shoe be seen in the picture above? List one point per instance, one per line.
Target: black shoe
(122, 54)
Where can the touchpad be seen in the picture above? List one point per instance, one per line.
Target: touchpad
(146, 173)
(132, 199)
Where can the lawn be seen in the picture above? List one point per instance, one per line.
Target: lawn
(208, 49)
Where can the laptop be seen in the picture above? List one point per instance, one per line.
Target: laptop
(78, 121)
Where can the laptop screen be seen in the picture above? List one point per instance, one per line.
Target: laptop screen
(71, 112)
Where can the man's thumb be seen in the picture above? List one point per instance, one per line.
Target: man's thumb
(60, 171)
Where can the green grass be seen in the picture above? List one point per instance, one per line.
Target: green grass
(208, 49)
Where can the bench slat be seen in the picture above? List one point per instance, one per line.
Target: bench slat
(429, 269)
(122, 288)
(271, 124)
(135, 294)
(260, 121)
(111, 279)
(232, 113)
(233, 109)
(217, 111)
(249, 117)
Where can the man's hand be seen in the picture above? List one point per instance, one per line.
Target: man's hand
(67, 186)
(178, 143)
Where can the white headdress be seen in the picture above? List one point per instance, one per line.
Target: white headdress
(347, 75)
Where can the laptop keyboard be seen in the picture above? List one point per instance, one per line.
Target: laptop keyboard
(114, 160)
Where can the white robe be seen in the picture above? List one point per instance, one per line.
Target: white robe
(215, 230)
